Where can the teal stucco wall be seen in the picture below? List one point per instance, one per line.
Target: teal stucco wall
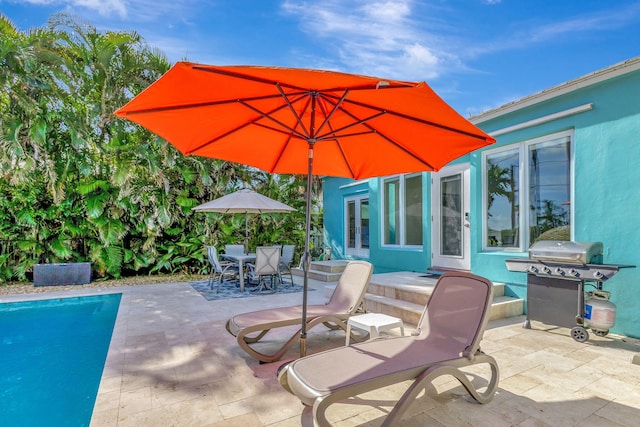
(606, 184)
(335, 190)
(606, 191)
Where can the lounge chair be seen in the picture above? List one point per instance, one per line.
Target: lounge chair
(447, 338)
(345, 301)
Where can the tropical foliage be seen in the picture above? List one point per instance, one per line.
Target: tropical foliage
(78, 184)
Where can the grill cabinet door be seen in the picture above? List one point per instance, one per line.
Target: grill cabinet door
(555, 301)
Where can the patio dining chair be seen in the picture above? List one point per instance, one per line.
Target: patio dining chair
(221, 269)
(286, 259)
(266, 265)
(234, 249)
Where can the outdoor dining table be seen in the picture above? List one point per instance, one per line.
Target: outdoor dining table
(240, 259)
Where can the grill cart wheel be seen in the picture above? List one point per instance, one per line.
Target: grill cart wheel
(579, 334)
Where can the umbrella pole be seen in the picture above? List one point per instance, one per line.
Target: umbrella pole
(246, 233)
(306, 258)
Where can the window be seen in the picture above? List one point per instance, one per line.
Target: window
(402, 222)
(356, 227)
(536, 174)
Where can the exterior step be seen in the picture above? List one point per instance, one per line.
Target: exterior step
(502, 307)
(321, 276)
(324, 271)
(414, 294)
(404, 294)
(407, 311)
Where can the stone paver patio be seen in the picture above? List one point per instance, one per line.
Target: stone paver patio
(172, 363)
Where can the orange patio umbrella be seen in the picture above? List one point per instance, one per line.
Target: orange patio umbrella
(302, 121)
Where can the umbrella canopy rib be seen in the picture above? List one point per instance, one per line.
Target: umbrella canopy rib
(408, 117)
(365, 86)
(285, 129)
(194, 105)
(336, 107)
(385, 137)
(292, 110)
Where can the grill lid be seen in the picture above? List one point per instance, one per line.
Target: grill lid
(565, 251)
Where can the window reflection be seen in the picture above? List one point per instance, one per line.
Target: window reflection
(546, 191)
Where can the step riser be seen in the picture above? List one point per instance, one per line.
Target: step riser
(399, 294)
(409, 317)
(499, 310)
(328, 266)
(416, 297)
(406, 300)
(505, 307)
(317, 275)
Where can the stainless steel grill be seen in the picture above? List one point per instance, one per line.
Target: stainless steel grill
(556, 275)
(567, 260)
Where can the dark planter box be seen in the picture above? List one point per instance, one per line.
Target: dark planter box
(74, 273)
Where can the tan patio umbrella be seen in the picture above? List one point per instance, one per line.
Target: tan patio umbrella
(244, 201)
(303, 121)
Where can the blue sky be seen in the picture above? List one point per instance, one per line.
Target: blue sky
(477, 54)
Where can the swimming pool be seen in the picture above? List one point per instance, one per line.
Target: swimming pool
(52, 354)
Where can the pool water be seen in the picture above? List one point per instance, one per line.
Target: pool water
(52, 353)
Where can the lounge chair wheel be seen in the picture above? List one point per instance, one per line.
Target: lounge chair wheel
(579, 334)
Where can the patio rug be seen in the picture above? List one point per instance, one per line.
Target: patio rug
(229, 290)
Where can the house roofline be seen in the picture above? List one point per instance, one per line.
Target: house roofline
(610, 72)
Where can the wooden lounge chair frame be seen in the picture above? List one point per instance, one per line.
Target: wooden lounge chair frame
(346, 300)
(447, 338)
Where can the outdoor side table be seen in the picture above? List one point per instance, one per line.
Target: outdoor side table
(374, 323)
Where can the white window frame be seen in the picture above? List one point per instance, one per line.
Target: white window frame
(523, 150)
(402, 225)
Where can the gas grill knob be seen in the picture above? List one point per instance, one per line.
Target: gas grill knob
(573, 272)
(598, 274)
(546, 270)
(532, 269)
(559, 271)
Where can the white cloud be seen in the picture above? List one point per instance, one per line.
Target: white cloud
(601, 21)
(374, 37)
(103, 7)
(524, 34)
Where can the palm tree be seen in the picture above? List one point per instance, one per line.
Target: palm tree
(79, 184)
